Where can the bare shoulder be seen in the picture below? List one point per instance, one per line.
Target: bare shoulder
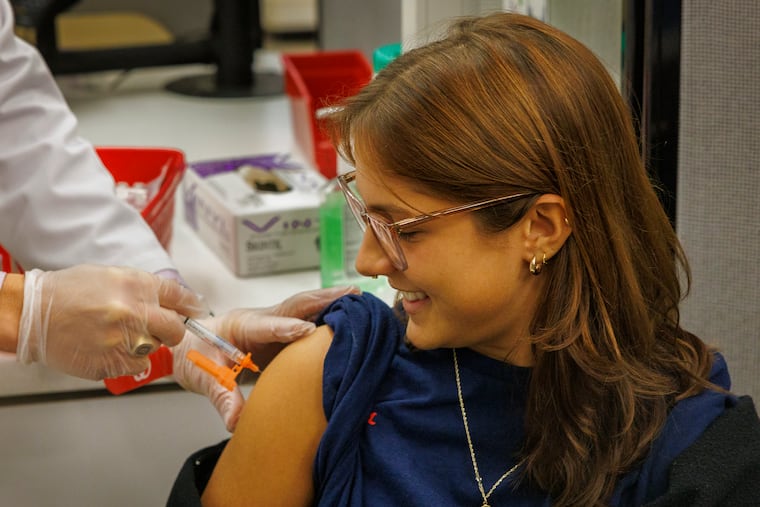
(269, 458)
(307, 352)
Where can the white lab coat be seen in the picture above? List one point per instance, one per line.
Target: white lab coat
(57, 203)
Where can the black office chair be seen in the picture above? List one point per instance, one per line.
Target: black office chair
(234, 32)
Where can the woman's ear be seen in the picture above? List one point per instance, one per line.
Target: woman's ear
(547, 228)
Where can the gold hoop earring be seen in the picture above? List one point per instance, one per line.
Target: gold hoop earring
(535, 267)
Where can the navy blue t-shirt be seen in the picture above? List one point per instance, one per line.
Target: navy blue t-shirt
(395, 434)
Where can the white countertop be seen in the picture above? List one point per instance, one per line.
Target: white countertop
(134, 110)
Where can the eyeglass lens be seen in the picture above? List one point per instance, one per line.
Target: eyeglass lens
(386, 237)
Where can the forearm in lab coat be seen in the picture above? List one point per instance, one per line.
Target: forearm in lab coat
(57, 203)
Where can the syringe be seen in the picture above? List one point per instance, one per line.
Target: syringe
(228, 349)
(224, 375)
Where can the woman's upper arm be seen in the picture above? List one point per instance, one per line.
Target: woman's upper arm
(269, 459)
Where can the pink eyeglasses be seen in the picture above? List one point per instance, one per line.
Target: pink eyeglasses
(388, 234)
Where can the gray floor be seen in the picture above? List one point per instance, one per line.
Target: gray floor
(102, 451)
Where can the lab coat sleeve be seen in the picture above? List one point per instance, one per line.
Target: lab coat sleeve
(57, 203)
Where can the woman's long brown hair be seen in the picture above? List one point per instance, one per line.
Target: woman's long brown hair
(505, 103)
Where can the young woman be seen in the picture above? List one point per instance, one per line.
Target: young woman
(535, 356)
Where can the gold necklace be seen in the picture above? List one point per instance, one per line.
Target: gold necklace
(478, 479)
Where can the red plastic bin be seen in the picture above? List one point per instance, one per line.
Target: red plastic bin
(316, 80)
(139, 164)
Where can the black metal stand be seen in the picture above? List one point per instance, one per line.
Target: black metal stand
(208, 85)
(234, 34)
(234, 41)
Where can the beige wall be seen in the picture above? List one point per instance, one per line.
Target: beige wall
(596, 23)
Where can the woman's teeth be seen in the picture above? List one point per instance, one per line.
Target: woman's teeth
(413, 296)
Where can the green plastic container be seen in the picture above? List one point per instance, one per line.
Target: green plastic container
(384, 55)
(339, 240)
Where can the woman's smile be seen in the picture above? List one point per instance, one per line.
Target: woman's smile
(413, 301)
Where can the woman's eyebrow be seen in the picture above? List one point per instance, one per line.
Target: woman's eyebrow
(390, 209)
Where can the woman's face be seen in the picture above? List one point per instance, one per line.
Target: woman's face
(463, 287)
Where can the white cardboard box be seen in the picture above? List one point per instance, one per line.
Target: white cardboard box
(259, 214)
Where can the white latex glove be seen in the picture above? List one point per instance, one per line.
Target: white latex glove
(260, 331)
(88, 320)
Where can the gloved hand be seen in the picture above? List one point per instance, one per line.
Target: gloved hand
(261, 331)
(87, 320)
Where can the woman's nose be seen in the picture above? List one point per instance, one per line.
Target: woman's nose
(371, 260)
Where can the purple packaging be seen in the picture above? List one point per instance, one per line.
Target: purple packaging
(259, 214)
